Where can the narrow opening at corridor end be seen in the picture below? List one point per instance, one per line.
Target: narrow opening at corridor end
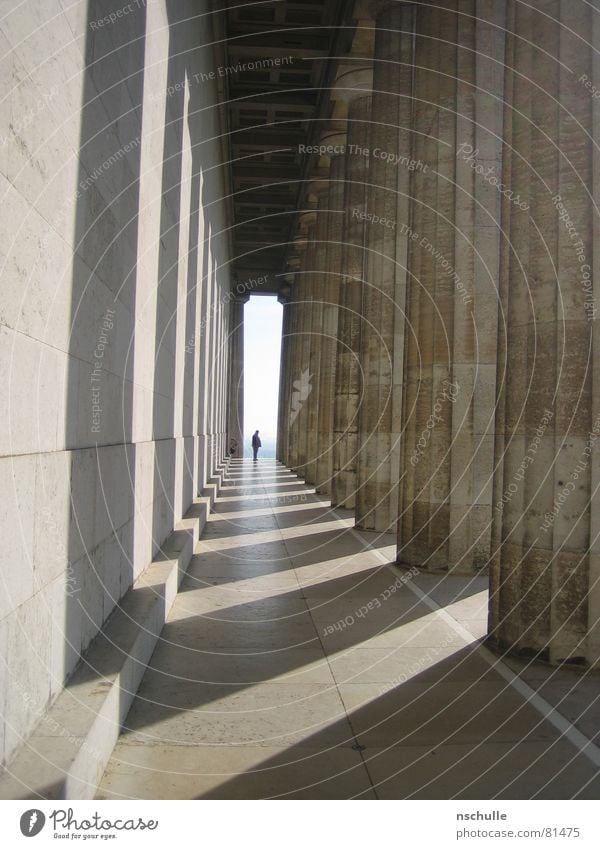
(262, 351)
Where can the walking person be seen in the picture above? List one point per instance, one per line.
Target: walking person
(256, 444)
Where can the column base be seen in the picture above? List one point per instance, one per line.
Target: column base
(539, 656)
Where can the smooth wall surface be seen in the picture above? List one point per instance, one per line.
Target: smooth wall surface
(113, 317)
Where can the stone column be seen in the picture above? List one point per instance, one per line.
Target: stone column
(448, 411)
(348, 382)
(318, 192)
(281, 445)
(299, 383)
(545, 567)
(289, 445)
(287, 357)
(204, 336)
(326, 317)
(235, 411)
(284, 372)
(351, 83)
(382, 345)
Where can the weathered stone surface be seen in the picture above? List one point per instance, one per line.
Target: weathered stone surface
(448, 418)
(384, 292)
(542, 600)
(348, 383)
(115, 321)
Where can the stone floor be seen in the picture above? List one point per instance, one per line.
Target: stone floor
(299, 662)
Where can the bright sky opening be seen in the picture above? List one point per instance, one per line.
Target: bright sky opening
(262, 349)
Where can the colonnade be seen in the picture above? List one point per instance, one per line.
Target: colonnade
(455, 274)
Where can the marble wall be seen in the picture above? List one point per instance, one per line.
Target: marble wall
(114, 317)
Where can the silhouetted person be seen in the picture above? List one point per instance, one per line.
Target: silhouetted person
(256, 444)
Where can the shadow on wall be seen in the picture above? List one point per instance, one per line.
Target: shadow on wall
(100, 380)
(184, 335)
(137, 462)
(167, 306)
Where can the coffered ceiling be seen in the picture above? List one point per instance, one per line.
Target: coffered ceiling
(280, 61)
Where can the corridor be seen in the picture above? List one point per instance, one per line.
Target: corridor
(299, 662)
(369, 232)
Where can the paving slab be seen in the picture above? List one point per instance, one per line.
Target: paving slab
(293, 638)
(476, 771)
(231, 772)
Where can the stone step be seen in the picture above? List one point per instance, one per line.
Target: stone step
(66, 754)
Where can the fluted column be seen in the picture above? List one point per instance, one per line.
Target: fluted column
(235, 412)
(286, 454)
(448, 411)
(328, 315)
(299, 385)
(382, 345)
(284, 368)
(289, 344)
(440, 302)
(545, 570)
(348, 382)
(314, 328)
(282, 448)
(353, 81)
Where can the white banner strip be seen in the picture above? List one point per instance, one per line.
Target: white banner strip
(295, 825)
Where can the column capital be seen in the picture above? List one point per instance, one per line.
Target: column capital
(306, 220)
(351, 82)
(300, 246)
(292, 265)
(316, 188)
(332, 141)
(284, 290)
(334, 137)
